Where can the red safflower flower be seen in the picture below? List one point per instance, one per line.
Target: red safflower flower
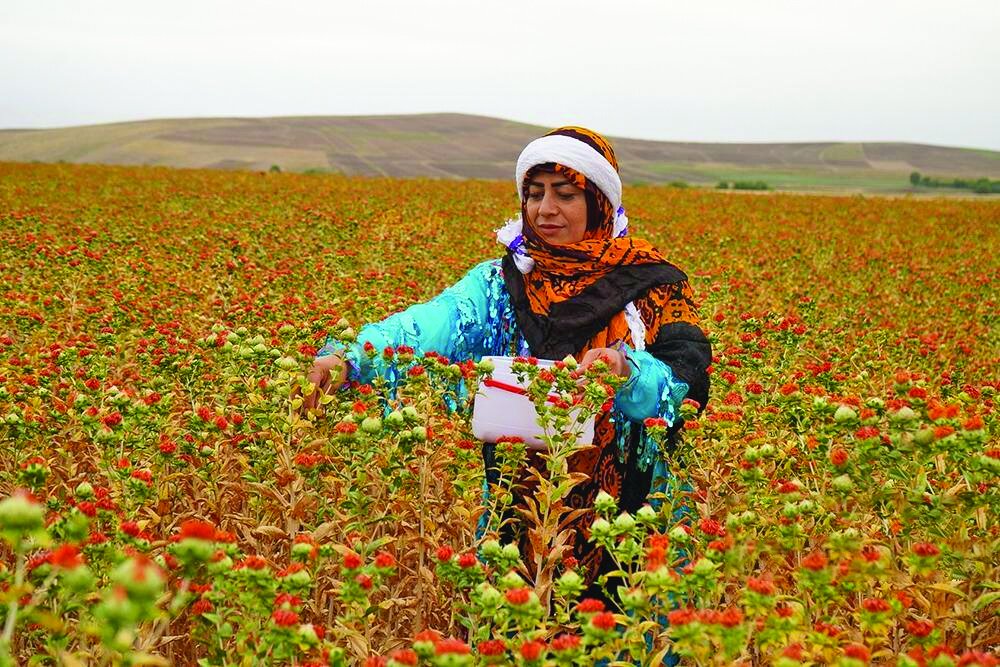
(404, 656)
(467, 560)
(364, 581)
(925, 549)
(130, 528)
(285, 617)
(352, 561)
(793, 651)
(815, 561)
(973, 423)
(444, 553)
(919, 628)
(201, 607)
(384, 559)
(531, 650)
(143, 476)
(518, 596)
(870, 554)
(491, 647)
(761, 586)
(604, 620)
(589, 606)
(730, 618)
(194, 528)
(282, 599)
(943, 431)
(451, 645)
(66, 556)
(875, 605)
(858, 652)
(565, 642)
(838, 456)
(866, 432)
(977, 658)
(252, 562)
(712, 527)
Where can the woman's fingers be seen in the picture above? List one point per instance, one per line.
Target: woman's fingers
(321, 375)
(612, 357)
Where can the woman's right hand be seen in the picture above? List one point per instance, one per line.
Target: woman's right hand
(328, 374)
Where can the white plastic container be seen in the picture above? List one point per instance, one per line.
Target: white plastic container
(503, 411)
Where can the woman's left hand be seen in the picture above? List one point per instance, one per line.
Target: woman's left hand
(615, 359)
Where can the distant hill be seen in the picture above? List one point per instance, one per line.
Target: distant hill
(464, 146)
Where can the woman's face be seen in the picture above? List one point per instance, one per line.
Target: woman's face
(557, 209)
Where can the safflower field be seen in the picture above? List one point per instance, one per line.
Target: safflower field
(165, 500)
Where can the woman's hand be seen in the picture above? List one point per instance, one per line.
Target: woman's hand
(328, 374)
(615, 359)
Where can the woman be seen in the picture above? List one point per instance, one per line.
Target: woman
(571, 282)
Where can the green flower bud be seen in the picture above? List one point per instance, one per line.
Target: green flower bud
(605, 503)
(193, 550)
(410, 414)
(842, 483)
(845, 415)
(600, 528)
(491, 549)
(78, 580)
(570, 584)
(394, 420)
(511, 552)
(84, 491)
(646, 514)
(21, 514)
(634, 599)
(658, 578)
(623, 523)
(704, 566)
(286, 363)
(302, 551)
(371, 425)
(679, 535)
(511, 580)
(307, 635)
(140, 577)
(488, 596)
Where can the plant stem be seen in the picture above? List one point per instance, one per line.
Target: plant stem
(8, 630)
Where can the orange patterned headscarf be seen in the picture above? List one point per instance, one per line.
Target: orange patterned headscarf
(585, 286)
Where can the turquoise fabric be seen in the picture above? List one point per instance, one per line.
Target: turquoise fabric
(473, 318)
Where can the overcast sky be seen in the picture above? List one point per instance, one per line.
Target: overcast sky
(698, 70)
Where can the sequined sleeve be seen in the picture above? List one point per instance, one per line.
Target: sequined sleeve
(463, 322)
(651, 391)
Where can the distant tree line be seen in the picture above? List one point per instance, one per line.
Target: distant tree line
(743, 185)
(979, 186)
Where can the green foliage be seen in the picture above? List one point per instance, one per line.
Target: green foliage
(750, 185)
